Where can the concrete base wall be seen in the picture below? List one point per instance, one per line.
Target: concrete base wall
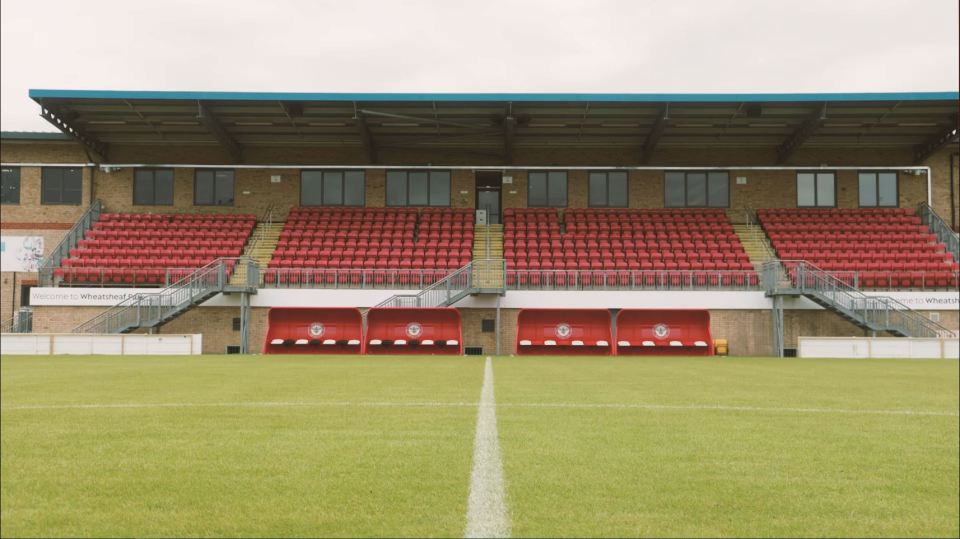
(748, 332)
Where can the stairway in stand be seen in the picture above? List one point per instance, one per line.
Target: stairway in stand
(488, 257)
(260, 247)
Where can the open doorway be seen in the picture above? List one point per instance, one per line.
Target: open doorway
(489, 186)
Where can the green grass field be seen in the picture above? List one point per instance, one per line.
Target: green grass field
(308, 446)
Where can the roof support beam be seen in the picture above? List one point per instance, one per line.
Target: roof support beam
(653, 137)
(922, 152)
(426, 121)
(209, 121)
(801, 135)
(95, 149)
(509, 132)
(366, 137)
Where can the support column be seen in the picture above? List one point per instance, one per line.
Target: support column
(497, 329)
(777, 314)
(244, 322)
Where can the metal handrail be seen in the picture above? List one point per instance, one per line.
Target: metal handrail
(451, 288)
(20, 322)
(881, 313)
(941, 230)
(632, 279)
(148, 310)
(69, 241)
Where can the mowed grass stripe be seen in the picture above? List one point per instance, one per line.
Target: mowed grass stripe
(237, 471)
(587, 468)
(362, 404)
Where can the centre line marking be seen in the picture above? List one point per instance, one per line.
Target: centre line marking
(487, 505)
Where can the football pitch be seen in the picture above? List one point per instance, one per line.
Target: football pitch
(270, 446)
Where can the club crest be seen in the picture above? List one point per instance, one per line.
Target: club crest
(661, 331)
(563, 330)
(316, 329)
(414, 330)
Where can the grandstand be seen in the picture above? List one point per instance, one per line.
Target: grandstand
(587, 224)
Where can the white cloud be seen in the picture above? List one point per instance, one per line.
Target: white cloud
(469, 46)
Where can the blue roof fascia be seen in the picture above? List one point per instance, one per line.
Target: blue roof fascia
(34, 135)
(492, 97)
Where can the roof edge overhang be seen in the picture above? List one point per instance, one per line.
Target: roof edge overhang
(40, 94)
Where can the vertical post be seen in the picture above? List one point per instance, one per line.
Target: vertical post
(497, 319)
(777, 314)
(244, 322)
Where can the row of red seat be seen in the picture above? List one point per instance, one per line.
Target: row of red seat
(174, 217)
(659, 278)
(362, 263)
(373, 253)
(163, 243)
(652, 264)
(638, 255)
(888, 256)
(191, 251)
(416, 278)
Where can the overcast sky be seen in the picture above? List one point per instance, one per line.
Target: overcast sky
(474, 46)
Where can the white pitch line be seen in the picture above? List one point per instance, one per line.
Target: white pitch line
(487, 504)
(727, 408)
(436, 404)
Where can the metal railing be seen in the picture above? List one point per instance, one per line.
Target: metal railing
(69, 241)
(632, 280)
(152, 309)
(878, 313)
(20, 322)
(451, 288)
(350, 278)
(941, 230)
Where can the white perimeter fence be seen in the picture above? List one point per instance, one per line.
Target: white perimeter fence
(109, 344)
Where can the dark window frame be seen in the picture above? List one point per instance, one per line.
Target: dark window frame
(3, 190)
(706, 187)
(406, 181)
(546, 204)
(214, 171)
(343, 191)
(153, 171)
(816, 188)
(43, 186)
(606, 179)
(876, 183)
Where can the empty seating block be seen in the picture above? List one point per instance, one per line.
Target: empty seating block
(141, 249)
(309, 330)
(866, 247)
(664, 332)
(432, 331)
(371, 247)
(596, 248)
(565, 332)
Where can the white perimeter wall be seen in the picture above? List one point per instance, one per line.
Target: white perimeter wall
(514, 299)
(877, 347)
(111, 345)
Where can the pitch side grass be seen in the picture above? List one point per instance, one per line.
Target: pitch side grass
(319, 446)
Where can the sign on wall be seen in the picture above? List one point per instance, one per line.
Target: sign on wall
(83, 297)
(21, 253)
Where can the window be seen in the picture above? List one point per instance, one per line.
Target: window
(213, 188)
(547, 189)
(10, 186)
(816, 189)
(332, 188)
(153, 187)
(878, 189)
(418, 188)
(236, 324)
(60, 185)
(608, 189)
(696, 189)
(488, 325)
